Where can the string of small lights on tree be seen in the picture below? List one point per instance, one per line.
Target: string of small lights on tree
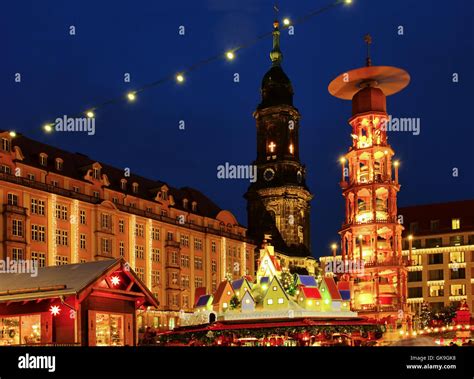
(180, 77)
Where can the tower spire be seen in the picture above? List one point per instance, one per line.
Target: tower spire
(275, 55)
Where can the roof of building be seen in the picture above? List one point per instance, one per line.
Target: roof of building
(311, 292)
(198, 292)
(203, 300)
(220, 291)
(264, 280)
(332, 288)
(307, 280)
(345, 294)
(75, 165)
(343, 285)
(238, 283)
(64, 280)
(444, 212)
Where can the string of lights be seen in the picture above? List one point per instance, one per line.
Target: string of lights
(179, 77)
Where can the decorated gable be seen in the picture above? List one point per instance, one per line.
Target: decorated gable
(240, 287)
(268, 265)
(222, 296)
(309, 298)
(204, 302)
(275, 296)
(248, 302)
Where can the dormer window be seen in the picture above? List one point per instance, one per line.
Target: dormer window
(135, 187)
(123, 184)
(59, 164)
(164, 195)
(43, 159)
(292, 149)
(96, 173)
(194, 206)
(185, 203)
(6, 144)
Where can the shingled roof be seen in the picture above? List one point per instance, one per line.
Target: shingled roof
(75, 165)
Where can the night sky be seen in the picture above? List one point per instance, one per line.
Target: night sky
(64, 74)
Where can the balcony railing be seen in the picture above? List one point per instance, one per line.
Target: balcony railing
(14, 209)
(389, 262)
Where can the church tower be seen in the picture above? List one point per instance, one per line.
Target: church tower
(278, 202)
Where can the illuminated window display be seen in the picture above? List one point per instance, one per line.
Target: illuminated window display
(109, 329)
(20, 330)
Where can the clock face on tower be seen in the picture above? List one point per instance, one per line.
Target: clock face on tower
(269, 174)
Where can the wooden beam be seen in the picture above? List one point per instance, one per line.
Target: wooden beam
(130, 285)
(117, 291)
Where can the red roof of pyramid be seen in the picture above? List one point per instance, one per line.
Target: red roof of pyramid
(332, 288)
(311, 292)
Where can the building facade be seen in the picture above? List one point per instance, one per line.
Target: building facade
(59, 208)
(278, 203)
(438, 241)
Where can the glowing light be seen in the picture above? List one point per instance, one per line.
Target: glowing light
(230, 55)
(48, 128)
(360, 237)
(55, 310)
(334, 246)
(401, 332)
(90, 114)
(410, 237)
(396, 163)
(115, 280)
(131, 96)
(310, 302)
(272, 146)
(180, 78)
(348, 2)
(317, 303)
(342, 160)
(286, 21)
(326, 301)
(12, 134)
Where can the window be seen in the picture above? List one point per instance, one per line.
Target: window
(61, 212)
(20, 330)
(415, 292)
(435, 275)
(456, 223)
(434, 242)
(43, 159)
(59, 164)
(109, 329)
(17, 254)
(198, 243)
(280, 300)
(115, 200)
(12, 199)
(155, 255)
(174, 258)
(458, 273)
(123, 184)
(434, 225)
(458, 290)
(38, 258)
(456, 240)
(139, 230)
(184, 240)
(414, 228)
(213, 246)
(106, 246)
(96, 194)
(135, 187)
(75, 189)
(169, 236)
(185, 301)
(214, 285)
(457, 257)
(83, 241)
(17, 228)
(155, 234)
(155, 278)
(185, 281)
(121, 226)
(38, 233)
(149, 209)
(164, 213)
(184, 260)
(198, 282)
(185, 203)
(140, 273)
(61, 237)
(31, 177)
(213, 266)
(139, 252)
(106, 221)
(436, 291)
(37, 207)
(194, 206)
(415, 276)
(5, 144)
(198, 263)
(174, 278)
(61, 260)
(5, 169)
(96, 173)
(270, 301)
(54, 183)
(83, 217)
(121, 249)
(434, 259)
